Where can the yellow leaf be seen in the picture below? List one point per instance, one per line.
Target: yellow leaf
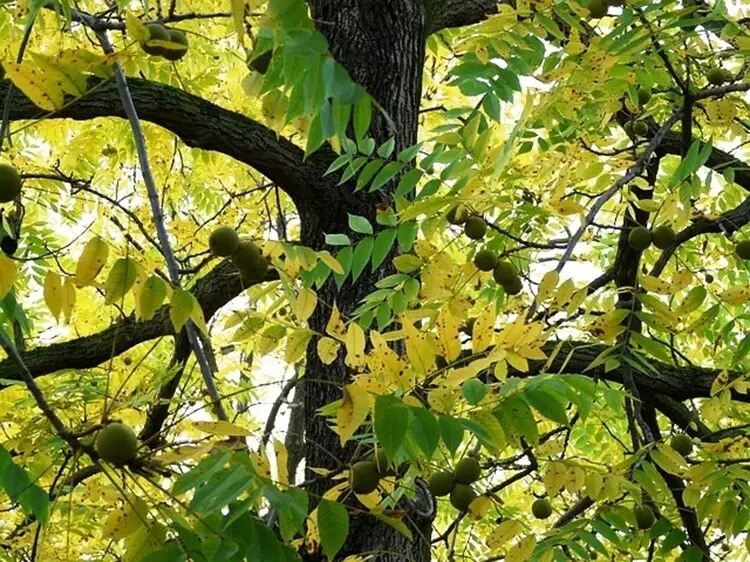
(522, 551)
(420, 354)
(355, 345)
(92, 261)
(68, 298)
(328, 349)
(221, 427)
(238, 15)
(502, 533)
(196, 315)
(53, 293)
(260, 463)
(594, 483)
(565, 207)
(37, 85)
(548, 284)
(354, 409)
(296, 344)
(326, 257)
(564, 294)
(483, 333)
(719, 383)
(554, 478)
(448, 339)
(307, 300)
(479, 507)
(656, 285)
(181, 308)
(281, 462)
(335, 327)
(125, 520)
(136, 28)
(736, 295)
(517, 362)
(151, 296)
(120, 280)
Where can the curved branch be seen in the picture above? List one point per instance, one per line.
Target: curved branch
(200, 124)
(213, 291)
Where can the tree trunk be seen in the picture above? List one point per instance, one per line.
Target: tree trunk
(381, 44)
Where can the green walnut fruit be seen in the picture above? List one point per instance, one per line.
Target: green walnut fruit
(485, 260)
(505, 273)
(365, 477)
(663, 237)
(458, 215)
(441, 483)
(541, 508)
(223, 241)
(639, 238)
(467, 471)
(743, 250)
(475, 228)
(116, 443)
(717, 76)
(10, 183)
(156, 32)
(461, 496)
(381, 463)
(262, 62)
(514, 287)
(644, 96)
(177, 37)
(640, 128)
(598, 8)
(682, 444)
(628, 128)
(250, 261)
(644, 517)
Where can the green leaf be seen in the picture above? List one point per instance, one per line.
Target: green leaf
(408, 154)
(383, 244)
(386, 175)
(362, 254)
(152, 296)
(181, 308)
(367, 173)
(386, 149)
(222, 489)
(38, 502)
(547, 404)
(202, 472)
(362, 117)
(481, 432)
(338, 240)
(452, 432)
(391, 423)
(474, 390)
(15, 481)
(121, 279)
(407, 263)
(291, 506)
(425, 430)
(408, 182)
(333, 523)
(360, 224)
(407, 234)
(340, 162)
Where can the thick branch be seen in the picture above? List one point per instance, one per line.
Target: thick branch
(200, 124)
(456, 13)
(212, 291)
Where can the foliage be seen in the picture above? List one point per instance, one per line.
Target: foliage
(567, 384)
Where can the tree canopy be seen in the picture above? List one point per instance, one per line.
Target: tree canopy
(362, 280)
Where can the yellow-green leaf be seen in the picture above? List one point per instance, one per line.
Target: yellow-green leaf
(8, 274)
(307, 300)
(36, 84)
(120, 280)
(92, 260)
(152, 296)
(224, 428)
(181, 308)
(125, 520)
(53, 293)
(354, 409)
(328, 349)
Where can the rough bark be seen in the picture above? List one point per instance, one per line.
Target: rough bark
(443, 14)
(381, 44)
